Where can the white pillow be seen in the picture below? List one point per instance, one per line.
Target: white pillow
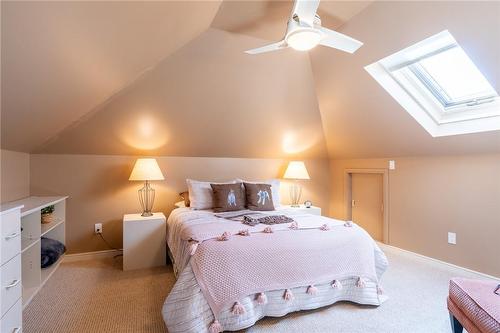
(201, 194)
(275, 188)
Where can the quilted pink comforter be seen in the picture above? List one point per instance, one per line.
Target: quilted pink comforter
(232, 260)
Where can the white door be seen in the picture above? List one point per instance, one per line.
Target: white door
(368, 203)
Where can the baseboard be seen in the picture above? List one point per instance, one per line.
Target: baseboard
(382, 245)
(91, 255)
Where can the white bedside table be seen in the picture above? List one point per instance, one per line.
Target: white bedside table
(302, 209)
(144, 241)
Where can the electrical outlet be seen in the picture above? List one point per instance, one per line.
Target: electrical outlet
(98, 228)
(452, 238)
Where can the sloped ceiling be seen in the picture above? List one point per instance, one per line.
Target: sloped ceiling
(208, 101)
(267, 19)
(153, 78)
(62, 59)
(360, 118)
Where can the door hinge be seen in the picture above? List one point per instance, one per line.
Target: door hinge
(353, 203)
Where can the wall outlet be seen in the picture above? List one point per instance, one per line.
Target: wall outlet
(392, 165)
(452, 238)
(98, 228)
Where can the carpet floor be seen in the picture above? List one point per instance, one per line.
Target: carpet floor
(97, 296)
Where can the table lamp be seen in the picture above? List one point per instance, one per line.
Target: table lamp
(296, 170)
(146, 169)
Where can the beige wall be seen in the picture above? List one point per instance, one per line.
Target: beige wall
(99, 189)
(430, 196)
(14, 175)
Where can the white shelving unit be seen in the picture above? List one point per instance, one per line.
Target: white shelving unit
(11, 317)
(33, 276)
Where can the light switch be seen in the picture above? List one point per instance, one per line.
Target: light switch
(452, 238)
(392, 165)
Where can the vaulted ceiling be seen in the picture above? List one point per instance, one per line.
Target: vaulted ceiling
(171, 78)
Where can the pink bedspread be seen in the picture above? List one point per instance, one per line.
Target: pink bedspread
(230, 269)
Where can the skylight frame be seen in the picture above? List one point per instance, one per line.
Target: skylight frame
(421, 100)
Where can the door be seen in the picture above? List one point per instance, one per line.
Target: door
(368, 203)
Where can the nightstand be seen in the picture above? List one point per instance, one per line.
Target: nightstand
(302, 209)
(144, 241)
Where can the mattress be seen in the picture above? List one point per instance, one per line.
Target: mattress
(186, 309)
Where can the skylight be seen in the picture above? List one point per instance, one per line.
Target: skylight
(453, 78)
(440, 86)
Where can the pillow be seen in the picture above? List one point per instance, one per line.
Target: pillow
(228, 197)
(185, 197)
(275, 189)
(201, 194)
(259, 196)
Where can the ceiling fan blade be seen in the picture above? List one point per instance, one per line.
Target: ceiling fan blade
(339, 41)
(268, 48)
(306, 11)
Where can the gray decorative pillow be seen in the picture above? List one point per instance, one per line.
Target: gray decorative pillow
(259, 196)
(228, 197)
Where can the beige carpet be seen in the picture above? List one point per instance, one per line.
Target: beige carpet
(97, 296)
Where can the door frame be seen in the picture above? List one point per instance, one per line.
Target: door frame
(385, 187)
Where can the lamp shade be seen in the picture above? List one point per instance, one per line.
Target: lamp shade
(296, 170)
(146, 169)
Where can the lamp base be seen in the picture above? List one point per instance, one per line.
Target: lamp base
(146, 198)
(295, 194)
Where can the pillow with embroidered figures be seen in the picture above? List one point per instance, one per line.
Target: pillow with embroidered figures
(228, 197)
(259, 196)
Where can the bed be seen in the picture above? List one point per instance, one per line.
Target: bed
(230, 275)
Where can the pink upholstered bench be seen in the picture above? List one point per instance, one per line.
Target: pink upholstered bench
(473, 305)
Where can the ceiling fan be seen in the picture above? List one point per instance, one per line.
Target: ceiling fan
(304, 31)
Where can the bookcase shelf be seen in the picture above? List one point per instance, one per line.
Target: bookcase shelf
(33, 276)
(50, 226)
(46, 273)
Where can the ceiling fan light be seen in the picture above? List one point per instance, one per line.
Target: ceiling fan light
(303, 40)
